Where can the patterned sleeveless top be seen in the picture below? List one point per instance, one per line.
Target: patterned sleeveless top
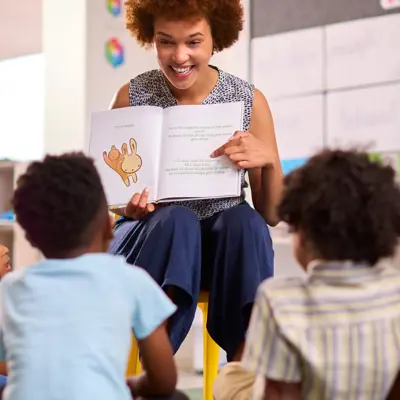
(151, 89)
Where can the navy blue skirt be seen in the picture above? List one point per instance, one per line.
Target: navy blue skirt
(228, 254)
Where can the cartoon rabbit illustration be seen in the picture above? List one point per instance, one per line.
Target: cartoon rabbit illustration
(124, 164)
(132, 162)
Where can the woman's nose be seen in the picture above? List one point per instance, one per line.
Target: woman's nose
(181, 55)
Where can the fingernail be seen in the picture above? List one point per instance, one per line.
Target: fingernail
(146, 189)
(212, 155)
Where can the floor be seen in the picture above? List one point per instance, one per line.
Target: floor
(194, 394)
(188, 380)
(191, 384)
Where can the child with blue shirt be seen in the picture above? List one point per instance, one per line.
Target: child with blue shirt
(65, 323)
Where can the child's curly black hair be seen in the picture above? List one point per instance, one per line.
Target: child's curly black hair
(346, 206)
(57, 202)
(224, 16)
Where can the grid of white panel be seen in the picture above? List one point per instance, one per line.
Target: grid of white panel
(352, 68)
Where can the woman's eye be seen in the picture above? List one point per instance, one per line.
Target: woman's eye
(195, 43)
(164, 42)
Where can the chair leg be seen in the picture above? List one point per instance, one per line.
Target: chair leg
(134, 366)
(210, 357)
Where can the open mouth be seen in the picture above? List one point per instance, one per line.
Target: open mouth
(182, 72)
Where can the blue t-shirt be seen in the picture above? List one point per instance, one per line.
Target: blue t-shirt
(65, 326)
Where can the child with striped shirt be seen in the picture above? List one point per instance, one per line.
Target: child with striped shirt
(334, 334)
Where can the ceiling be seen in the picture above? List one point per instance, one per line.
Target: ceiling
(20, 28)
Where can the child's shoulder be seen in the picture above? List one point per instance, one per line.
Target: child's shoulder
(99, 267)
(118, 267)
(10, 279)
(132, 273)
(273, 289)
(278, 284)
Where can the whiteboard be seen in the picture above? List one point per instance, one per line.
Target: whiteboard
(365, 117)
(362, 52)
(290, 63)
(299, 125)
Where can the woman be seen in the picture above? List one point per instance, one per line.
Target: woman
(222, 245)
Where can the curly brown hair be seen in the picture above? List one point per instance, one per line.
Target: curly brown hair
(224, 16)
(57, 202)
(346, 206)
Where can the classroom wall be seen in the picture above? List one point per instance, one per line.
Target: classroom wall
(22, 107)
(331, 72)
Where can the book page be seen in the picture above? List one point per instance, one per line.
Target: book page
(125, 144)
(190, 135)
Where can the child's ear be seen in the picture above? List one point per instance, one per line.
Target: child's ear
(112, 222)
(108, 231)
(109, 234)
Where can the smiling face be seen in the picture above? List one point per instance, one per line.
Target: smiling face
(184, 49)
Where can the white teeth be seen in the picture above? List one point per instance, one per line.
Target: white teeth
(181, 70)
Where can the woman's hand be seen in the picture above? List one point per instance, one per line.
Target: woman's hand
(138, 207)
(246, 151)
(5, 260)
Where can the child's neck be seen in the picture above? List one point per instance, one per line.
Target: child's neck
(92, 248)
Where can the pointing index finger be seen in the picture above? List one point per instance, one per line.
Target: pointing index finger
(233, 140)
(218, 152)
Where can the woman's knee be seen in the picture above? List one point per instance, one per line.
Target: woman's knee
(243, 217)
(178, 216)
(160, 225)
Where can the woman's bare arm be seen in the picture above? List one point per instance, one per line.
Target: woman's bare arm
(266, 183)
(121, 97)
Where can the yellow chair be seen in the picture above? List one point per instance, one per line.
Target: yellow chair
(210, 353)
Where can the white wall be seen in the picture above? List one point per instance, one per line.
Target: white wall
(332, 85)
(22, 107)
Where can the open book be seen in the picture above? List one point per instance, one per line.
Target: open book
(167, 150)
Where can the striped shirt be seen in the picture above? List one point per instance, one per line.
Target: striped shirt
(336, 331)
